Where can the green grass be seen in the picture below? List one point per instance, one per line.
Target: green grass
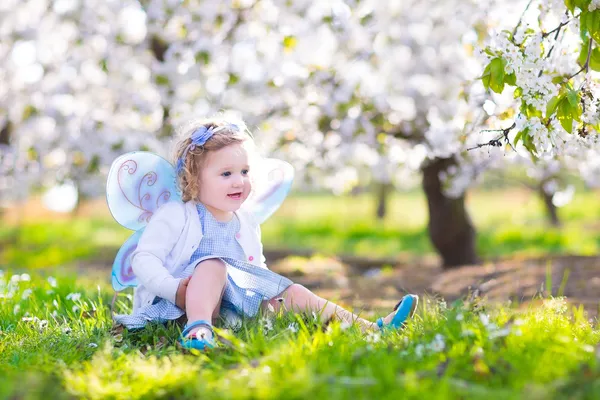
(508, 223)
(54, 345)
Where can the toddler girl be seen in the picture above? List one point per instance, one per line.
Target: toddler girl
(204, 258)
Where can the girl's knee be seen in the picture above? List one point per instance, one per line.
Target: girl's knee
(212, 266)
(295, 290)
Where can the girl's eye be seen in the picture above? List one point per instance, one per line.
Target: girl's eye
(226, 173)
(245, 172)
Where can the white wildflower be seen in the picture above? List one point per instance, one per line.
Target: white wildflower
(518, 322)
(75, 308)
(92, 345)
(42, 324)
(588, 348)
(293, 327)
(460, 317)
(52, 281)
(373, 336)
(16, 309)
(419, 350)
(485, 319)
(15, 278)
(49, 292)
(25, 277)
(438, 343)
(345, 325)
(26, 293)
(55, 303)
(499, 333)
(267, 324)
(467, 332)
(270, 307)
(54, 314)
(74, 296)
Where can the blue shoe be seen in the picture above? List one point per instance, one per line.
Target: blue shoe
(405, 309)
(194, 342)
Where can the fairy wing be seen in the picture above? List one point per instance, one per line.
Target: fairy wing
(273, 181)
(138, 184)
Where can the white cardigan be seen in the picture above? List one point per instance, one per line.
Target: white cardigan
(168, 242)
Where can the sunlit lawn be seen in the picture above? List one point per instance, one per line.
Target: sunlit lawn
(55, 342)
(508, 223)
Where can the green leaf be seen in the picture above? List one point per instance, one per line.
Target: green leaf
(485, 78)
(511, 79)
(528, 143)
(162, 80)
(564, 115)
(570, 5)
(520, 136)
(593, 24)
(551, 106)
(497, 77)
(573, 98)
(594, 58)
(518, 92)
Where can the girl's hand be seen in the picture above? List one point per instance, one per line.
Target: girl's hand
(181, 290)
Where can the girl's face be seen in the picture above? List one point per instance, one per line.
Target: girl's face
(224, 180)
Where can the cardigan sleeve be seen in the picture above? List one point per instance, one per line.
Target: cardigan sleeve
(158, 240)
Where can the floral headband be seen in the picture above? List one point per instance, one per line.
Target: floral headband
(199, 138)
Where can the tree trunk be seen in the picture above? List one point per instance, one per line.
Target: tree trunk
(383, 191)
(551, 209)
(5, 133)
(450, 228)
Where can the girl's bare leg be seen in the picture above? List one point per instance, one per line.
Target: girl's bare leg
(205, 291)
(298, 298)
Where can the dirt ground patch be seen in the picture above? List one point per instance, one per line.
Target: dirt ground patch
(576, 277)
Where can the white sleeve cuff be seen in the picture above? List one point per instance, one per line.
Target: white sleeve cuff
(168, 289)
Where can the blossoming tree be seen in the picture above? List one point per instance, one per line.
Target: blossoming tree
(336, 87)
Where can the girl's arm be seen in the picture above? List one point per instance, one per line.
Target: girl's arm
(157, 241)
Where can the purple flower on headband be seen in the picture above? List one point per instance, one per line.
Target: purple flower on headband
(201, 135)
(199, 138)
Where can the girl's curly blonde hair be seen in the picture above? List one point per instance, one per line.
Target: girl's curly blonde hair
(229, 134)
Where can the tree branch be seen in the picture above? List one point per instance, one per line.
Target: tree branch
(586, 66)
(497, 141)
(521, 19)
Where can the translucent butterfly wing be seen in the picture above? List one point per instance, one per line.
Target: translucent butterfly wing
(122, 273)
(273, 181)
(138, 184)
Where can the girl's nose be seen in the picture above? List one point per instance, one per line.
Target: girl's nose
(239, 181)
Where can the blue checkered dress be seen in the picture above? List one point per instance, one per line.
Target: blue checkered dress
(247, 285)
